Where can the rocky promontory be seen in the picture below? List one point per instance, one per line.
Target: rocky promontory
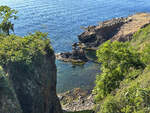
(121, 29)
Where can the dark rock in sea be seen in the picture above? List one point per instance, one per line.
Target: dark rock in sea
(34, 86)
(76, 56)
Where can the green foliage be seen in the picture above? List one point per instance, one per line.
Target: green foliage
(117, 60)
(141, 38)
(124, 83)
(146, 54)
(6, 15)
(15, 49)
(109, 106)
(135, 100)
(132, 99)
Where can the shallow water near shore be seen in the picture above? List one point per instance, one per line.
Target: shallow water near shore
(62, 20)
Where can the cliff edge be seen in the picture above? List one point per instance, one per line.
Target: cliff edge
(29, 64)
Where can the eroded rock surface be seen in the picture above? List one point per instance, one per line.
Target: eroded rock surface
(8, 100)
(35, 84)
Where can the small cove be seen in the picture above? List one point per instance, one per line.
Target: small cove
(62, 20)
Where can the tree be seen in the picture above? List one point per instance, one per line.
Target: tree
(6, 15)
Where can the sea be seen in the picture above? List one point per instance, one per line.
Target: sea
(62, 20)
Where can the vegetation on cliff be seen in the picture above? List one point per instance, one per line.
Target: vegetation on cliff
(14, 48)
(27, 72)
(123, 85)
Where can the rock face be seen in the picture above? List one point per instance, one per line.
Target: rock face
(120, 29)
(8, 100)
(35, 84)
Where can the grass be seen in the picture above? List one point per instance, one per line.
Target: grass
(141, 38)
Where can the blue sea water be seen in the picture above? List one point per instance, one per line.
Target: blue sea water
(62, 20)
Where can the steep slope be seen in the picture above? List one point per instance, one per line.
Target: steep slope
(8, 100)
(133, 93)
(30, 66)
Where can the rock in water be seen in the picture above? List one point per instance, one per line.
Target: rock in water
(35, 84)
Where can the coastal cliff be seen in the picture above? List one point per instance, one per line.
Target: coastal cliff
(29, 64)
(8, 101)
(120, 29)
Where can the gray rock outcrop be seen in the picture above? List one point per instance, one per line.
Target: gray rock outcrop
(30, 88)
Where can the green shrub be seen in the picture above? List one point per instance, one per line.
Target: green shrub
(124, 84)
(132, 99)
(14, 48)
(110, 105)
(117, 61)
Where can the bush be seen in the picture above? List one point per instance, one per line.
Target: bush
(117, 61)
(14, 48)
(132, 99)
(110, 105)
(124, 84)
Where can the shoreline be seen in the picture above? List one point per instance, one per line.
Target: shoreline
(77, 100)
(120, 29)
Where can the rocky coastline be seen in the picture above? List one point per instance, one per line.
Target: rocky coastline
(77, 100)
(121, 29)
